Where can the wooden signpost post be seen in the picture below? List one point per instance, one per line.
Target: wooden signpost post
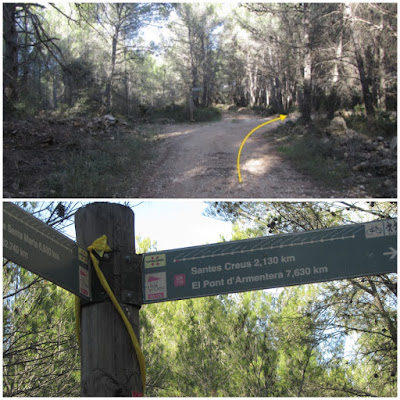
(109, 366)
(109, 363)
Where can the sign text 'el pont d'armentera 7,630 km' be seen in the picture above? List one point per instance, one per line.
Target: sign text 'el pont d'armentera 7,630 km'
(274, 261)
(33, 245)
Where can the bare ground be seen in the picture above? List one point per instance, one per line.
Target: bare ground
(200, 161)
(186, 160)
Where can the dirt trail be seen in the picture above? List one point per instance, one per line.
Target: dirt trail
(199, 161)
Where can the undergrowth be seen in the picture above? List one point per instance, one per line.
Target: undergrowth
(384, 125)
(318, 159)
(104, 170)
(180, 113)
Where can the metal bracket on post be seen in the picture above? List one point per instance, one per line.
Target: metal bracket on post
(98, 294)
(131, 283)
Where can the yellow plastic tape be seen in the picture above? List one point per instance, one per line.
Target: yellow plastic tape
(100, 247)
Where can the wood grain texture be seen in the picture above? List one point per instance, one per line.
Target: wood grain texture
(109, 365)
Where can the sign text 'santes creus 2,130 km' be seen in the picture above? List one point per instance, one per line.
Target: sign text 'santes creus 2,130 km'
(32, 244)
(274, 261)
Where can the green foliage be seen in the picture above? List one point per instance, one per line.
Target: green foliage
(40, 354)
(266, 344)
(40, 351)
(175, 112)
(222, 49)
(307, 148)
(317, 159)
(207, 114)
(91, 172)
(180, 113)
(384, 124)
(327, 333)
(263, 111)
(144, 245)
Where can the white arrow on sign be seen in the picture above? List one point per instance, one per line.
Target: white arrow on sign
(392, 253)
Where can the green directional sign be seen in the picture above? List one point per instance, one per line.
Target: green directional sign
(33, 245)
(274, 261)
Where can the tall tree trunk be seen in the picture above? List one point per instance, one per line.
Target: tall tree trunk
(107, 101)
(126, 84)
(25, 54)
(252, 79)
(55, 86)
(39, 85)
(333, 98)
(205, 71)
(193, 67)
(307, 75)
(381, 68)
(366, 82)
(191, 105)
(10, 72)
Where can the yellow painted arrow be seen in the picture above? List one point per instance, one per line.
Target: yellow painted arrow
(281, 117)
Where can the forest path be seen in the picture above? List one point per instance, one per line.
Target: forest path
(200, 161)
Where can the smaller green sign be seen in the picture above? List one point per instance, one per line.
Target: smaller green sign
(156, 260)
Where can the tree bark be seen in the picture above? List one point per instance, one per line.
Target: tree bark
(307, 75)
(381, 68)
(10, 73)
(107, 103)
(366, 81)
(378, 302)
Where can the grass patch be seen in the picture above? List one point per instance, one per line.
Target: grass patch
(104, 170)
(315, 157)
(323, 168)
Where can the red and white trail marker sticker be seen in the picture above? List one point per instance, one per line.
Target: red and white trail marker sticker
(156, 286)
(84, 287)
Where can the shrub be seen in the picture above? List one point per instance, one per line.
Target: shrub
(207, 114)
(384, 124)
(263, 111)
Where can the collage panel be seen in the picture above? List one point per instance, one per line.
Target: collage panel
(195, 100)
(153, 293)
(199, 199)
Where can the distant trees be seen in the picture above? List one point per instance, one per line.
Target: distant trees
(312, 56)
(194, 51)
(373, 36)
(118, 24)
(10, 64)
(74, 57)
(27, 48)
(92, 57)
